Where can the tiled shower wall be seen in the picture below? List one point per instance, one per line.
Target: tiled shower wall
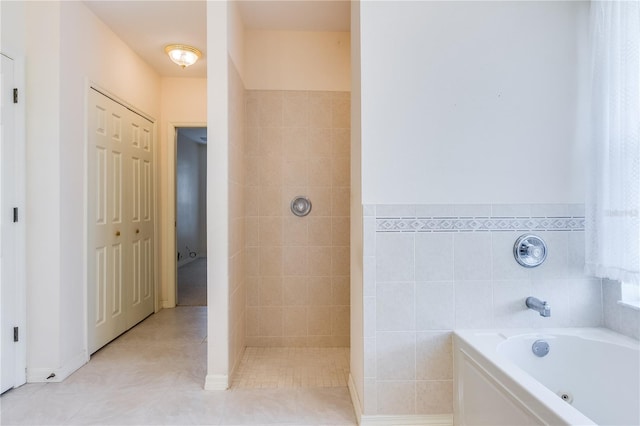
(297, 268)
(237, 284)
(429, 269)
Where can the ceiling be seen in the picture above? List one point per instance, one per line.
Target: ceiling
(147, 26)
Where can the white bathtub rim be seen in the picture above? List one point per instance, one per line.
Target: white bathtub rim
(484, 343)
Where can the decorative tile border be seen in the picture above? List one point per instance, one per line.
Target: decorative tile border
(479, 224)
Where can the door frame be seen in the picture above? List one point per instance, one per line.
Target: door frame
(19, 78)
(92, 85)
(170, 261)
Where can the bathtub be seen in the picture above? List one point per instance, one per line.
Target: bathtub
(590, 376)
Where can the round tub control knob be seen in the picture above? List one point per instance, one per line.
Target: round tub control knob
(530, 250)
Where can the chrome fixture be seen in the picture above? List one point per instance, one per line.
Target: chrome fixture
(540, 348)
(539, 306)
(530, 250)
(300, 206)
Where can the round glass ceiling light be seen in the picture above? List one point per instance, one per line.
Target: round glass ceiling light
(182, 54)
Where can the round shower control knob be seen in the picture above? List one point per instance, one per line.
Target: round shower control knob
(530, 250)
(300, 206)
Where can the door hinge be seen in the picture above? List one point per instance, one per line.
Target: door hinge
(15, 96)
(15, 334)
(15, 214)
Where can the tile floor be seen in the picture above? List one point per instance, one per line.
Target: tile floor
(154, 374)
(192, 283)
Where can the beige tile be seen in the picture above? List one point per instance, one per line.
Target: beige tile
(341, 175)
(320, 197)
(295, 109)
(341, 201)
(252, 231)
(252, 201)
(253, 291)
(271, 231)
(320, 171)
(296, 260)
(292, 342)
(320, 341)
(341, 341)
(320, 291)
(252, 170)
(319, 231)
(340, 231)
(341, 113)
(252, 141)
(295, 171)
(341, 143)
(253, 321)
(320, 142)
(340, 261)
(295, 142)
(270, 170)
(271, 141)
(270, 200)
(271, 321)
(252, 261)
(270, 109)
(340, 291)
(270, 261)
(320, 261)
(320, 109)
(271, 291)
(295, 291)
(252, 112)
(319, 321)
(296, 231)
(295, 321)
(340, 320)
(434, 397)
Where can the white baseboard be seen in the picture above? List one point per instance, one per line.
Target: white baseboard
(38, 375)
(411, 419)
(216, 382)
(164, 304)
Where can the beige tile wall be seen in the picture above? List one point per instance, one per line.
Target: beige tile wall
(237, 287)
(297, 269)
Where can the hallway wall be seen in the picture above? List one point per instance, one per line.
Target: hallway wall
(297, 267)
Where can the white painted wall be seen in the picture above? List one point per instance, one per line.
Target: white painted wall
(236, 37)
(184, 104)
(472, 102)
(297, 60)
(188, 201)
(217, 197)
(56, 80)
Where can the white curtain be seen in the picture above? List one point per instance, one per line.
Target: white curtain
(613, 202)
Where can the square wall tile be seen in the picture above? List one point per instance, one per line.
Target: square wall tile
(396, 397)
(395, 357)
(472, 256)
(394, 257)
(474, 304)
(395, 306)
(434, 397)
(509, 309)
(434, 257)
(435, 306)
(434, 356)
(585, 303)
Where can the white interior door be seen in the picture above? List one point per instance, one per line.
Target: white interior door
(120, 212)
(8, 283)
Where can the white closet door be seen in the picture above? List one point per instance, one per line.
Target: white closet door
(120, 205)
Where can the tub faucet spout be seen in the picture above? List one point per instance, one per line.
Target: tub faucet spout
(539, 306)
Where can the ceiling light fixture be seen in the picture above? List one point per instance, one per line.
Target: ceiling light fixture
(182, 54)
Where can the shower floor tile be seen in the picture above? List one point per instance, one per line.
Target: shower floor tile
(289, 368)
